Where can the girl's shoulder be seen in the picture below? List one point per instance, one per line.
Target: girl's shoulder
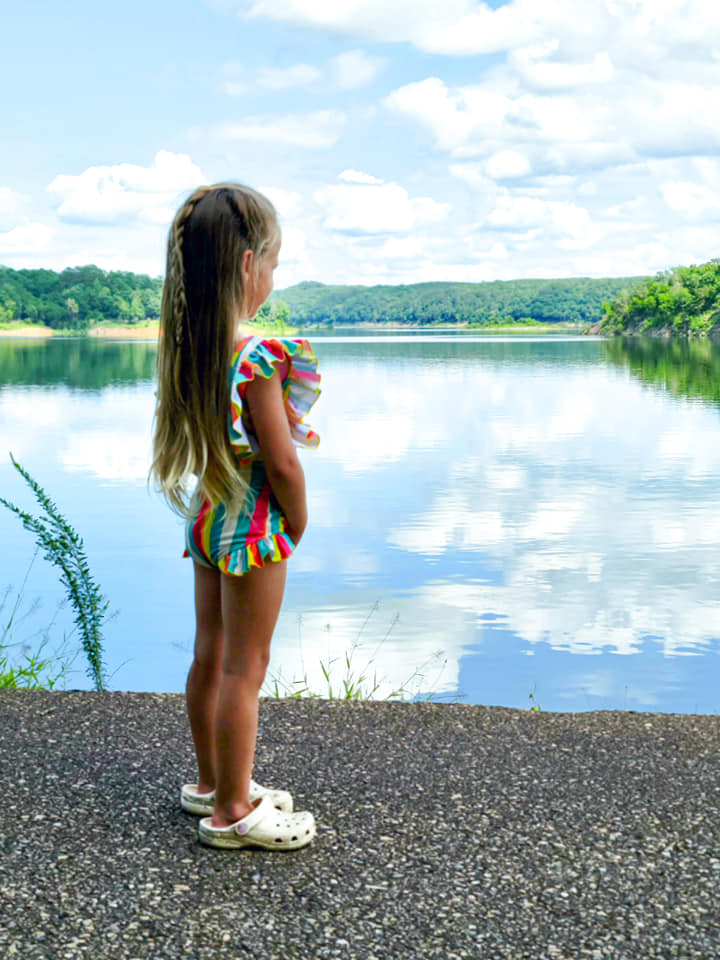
(296, 364)
(262, 356)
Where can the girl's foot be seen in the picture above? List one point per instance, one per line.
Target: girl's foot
(263, 827)
(202, 804)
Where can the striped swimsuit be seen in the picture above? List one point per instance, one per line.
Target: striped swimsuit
(236, 537)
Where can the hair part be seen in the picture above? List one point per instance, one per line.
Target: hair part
(202, 301)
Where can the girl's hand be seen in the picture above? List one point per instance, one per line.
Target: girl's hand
(287, 480)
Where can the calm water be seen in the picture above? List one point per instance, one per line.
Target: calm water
(490, 518)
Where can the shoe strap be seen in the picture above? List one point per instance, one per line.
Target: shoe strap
(264, 809)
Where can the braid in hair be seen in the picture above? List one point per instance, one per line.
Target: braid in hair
(176, 266)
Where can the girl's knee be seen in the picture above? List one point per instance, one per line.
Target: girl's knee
(250, 666)
(207, 670)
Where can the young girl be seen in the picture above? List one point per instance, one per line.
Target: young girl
(230, 411)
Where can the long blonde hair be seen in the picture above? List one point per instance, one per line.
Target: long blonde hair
(203, 299)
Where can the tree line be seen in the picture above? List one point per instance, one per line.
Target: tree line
(684, 301)
(576, 300)
(80, 297)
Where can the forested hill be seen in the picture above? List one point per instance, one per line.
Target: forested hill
(576, 300)
(80, 297)
(680, 302)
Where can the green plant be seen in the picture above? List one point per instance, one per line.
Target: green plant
(62, 546)
(355, 682)
(36, 672)
(536, 708)
(38, 669)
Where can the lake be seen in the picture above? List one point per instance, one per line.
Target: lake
(491, 518)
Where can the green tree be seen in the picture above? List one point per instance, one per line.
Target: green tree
(273, 314)
(8, 308)
(73, 311)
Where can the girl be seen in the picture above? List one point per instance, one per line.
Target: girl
(229, 411)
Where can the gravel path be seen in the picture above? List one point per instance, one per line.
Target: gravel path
(445, 831)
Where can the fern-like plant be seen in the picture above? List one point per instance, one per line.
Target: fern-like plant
(63, 546)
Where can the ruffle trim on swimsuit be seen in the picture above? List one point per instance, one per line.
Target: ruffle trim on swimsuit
(258, 357)
(278, 546)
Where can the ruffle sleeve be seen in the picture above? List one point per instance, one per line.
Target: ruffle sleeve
(297, 363)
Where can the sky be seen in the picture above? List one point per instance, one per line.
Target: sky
(400, 141)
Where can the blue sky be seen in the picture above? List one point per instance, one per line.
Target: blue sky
(403, 141)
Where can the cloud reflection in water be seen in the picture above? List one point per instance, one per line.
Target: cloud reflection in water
(490, 500)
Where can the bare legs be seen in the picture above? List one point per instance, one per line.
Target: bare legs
(203, 680)
(235, 618)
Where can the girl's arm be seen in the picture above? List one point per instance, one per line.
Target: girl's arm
(287, 480)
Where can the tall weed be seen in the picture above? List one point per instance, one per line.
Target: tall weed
(62, 546)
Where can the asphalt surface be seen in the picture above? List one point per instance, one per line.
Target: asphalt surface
(445, 831)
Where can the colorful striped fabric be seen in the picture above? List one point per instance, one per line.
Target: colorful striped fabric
(254, 357)
(234, 538)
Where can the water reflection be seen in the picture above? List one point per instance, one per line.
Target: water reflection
(541, 514)
(80, 363)
(683, 368)
(577, 510)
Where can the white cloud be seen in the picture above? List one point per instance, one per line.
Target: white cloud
(27, 238)
(94, 440)
(377, 208)
(288, 203)
(414, 248)
(318, 130)
(293, 254)
(692, 200)
(452, 117)
(11, 206)
(459, 26)
(507, 165)
(696, 197)
(471, 120)
(120, 454)
(598, 116)
(568, 578)
(354, 68)
(475, 175)
(346, 71)
(8, 198)
(588, 189)
(519, 213)
(127, 191)
(641, 29)
(357, 176)
(571, 99)
(533, 65)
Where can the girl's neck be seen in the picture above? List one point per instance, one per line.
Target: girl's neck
(243, 330)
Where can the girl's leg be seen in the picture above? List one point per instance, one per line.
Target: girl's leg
(250, 608)
(203, 682)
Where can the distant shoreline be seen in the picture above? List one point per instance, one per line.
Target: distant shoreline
(150, 331)
(37, 331)
(124, 331)
(450, 327)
